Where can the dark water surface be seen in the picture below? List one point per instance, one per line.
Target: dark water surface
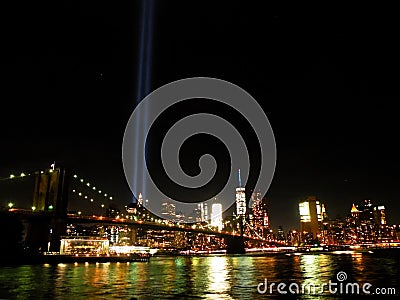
(208, 277)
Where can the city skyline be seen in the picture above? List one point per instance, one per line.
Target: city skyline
(205, 213)
(325, 90)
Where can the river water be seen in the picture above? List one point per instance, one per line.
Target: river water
(206, 277)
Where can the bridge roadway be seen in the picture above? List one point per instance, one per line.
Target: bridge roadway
(79, 219)
(83, 219)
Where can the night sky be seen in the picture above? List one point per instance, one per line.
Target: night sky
(326, 77)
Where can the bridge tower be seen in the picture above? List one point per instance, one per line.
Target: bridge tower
(51, 191)
(50, 199)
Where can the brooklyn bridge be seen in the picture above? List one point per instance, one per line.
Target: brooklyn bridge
(47, 218)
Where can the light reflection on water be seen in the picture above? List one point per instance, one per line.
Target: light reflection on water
(208, 277)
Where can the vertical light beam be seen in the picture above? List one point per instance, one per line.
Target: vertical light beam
(143, 86)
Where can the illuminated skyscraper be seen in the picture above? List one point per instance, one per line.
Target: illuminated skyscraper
(355, 213)
(216, 215)
(240, 199)
(140, 200)
(266, 228)
(256, 209)
(259, 215)
(311, 216)
(379, 215)
(203, 208)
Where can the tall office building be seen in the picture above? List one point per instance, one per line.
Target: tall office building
(240, 199)
(355, 213)
(379, 215)
(216, 215)
(140, 200)
(255, 204)
(266, 228)
(311, 216)
(203, 208)
(258, 214)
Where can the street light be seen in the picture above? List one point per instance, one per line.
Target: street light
(33, 208)
(10, 204)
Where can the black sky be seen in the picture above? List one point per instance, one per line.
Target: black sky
(326, 77)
